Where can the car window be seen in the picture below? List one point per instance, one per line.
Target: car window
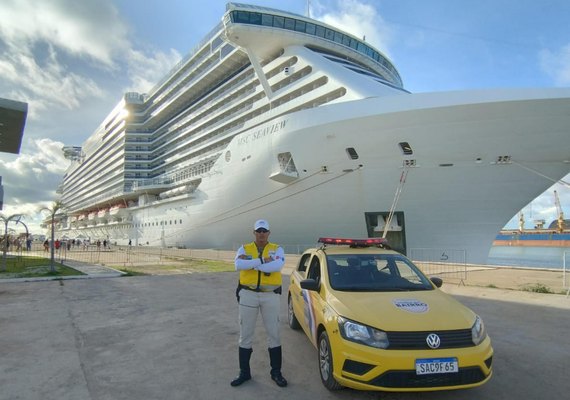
(304, 262)
(315, 270)
(375, 272)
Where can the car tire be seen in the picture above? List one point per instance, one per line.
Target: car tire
(326, 363)
(293, 321)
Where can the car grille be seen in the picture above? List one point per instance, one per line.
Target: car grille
(409, 379)
(417, 340)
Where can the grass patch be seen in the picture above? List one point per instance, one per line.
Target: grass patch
(33, 267)
(176, 266)
(537, 288)
(130, 272)
(491, 285)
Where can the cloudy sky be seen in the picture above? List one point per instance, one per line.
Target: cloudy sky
(71, 61)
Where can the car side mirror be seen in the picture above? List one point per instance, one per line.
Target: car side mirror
(436, 281)
(310, 284)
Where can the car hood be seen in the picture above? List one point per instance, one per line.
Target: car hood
(403, 311)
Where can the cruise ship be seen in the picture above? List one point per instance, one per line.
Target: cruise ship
(275, 115)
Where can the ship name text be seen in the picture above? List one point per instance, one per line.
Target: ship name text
(260, 133)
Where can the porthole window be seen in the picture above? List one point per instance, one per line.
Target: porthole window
(352, 153)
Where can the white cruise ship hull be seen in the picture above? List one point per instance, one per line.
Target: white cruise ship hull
(457, 196)
(278, 116)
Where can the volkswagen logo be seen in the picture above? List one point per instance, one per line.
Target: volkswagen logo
(433, 341)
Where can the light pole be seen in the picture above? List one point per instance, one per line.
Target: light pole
(15, 217)
(53, 210)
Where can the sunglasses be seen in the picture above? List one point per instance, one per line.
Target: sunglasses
(262, 230)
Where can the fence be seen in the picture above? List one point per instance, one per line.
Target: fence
(565, 264)
(449, 263)
(120, 255)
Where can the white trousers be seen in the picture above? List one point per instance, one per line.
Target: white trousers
(250, 303)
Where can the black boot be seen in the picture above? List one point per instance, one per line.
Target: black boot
(275, 362)
(244, 372)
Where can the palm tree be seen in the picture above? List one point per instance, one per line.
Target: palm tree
(56, 206)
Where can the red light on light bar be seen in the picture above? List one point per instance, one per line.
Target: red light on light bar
(354, 242)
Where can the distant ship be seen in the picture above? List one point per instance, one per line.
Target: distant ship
(275, 115)
(555, 235)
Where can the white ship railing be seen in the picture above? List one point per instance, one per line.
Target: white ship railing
(174, 177)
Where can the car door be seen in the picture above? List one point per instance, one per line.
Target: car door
(295, 286)
(312, 301)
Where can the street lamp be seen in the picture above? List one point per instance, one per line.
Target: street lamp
(15, 217)
(53, 210)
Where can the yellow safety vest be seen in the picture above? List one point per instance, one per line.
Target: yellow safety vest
(257, 279)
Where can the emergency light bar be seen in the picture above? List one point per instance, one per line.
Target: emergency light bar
(354, 242)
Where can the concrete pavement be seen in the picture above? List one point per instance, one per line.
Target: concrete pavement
(175, 337)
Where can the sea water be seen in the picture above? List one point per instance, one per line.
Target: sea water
(526, 256)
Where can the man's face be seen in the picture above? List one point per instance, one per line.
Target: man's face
(261, 236)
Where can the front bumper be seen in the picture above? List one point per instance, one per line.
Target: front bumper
(362, 367)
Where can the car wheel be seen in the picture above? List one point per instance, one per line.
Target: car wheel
(326, 363)
(293, 322)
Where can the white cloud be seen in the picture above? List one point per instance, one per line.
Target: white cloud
(35, 174)
(82, 28)
(557, 64)
(31, 179)
(357, 18)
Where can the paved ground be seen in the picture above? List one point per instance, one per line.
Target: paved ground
(175, 337)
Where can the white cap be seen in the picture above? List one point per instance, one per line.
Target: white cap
(261, 223)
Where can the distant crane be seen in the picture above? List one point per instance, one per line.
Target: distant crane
(560, 224)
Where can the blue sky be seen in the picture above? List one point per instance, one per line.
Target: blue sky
(71, 61)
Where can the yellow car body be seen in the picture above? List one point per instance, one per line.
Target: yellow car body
(374, 336)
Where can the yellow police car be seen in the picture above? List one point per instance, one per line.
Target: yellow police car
(379, 323)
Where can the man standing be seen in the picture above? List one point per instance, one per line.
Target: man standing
(259, 264)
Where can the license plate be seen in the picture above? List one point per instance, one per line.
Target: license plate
(426, 366)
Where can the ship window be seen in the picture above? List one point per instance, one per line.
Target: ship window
(267, 20)
(310, 29)
(278, 22)
(406, 148)
(255, 18)
(329, 34)
(289, 24)
(300, 26)
(242, 16)
(320, 31)
(180, 221)
(352, 153)
(338, 37)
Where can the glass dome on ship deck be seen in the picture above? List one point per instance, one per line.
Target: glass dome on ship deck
(315, 29)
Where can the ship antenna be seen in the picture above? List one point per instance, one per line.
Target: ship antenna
(308, 8)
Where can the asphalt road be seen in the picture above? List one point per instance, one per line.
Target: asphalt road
(175, 337)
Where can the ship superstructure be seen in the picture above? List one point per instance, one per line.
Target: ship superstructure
(279, 116)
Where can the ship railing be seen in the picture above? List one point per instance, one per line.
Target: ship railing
(184, 60)
(90, 201)
(175, 177)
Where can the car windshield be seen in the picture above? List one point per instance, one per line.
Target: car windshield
(375, 273)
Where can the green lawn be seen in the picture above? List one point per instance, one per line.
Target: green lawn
(28, 267)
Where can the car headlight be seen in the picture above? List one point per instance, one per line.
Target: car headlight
(478, 333)
(362, 334)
